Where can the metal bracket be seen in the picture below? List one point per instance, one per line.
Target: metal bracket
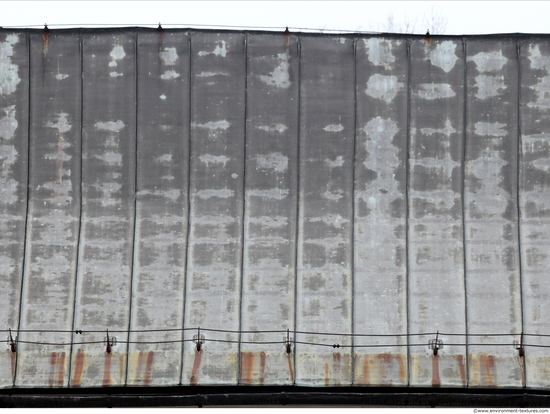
(111, 341)
(198, 339)
(519, 346)
(288, 346)
(435, 344)
(12, 344)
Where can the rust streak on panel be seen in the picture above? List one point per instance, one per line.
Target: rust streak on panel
(140, 364)
(107, 369)
(121, 367)
(45, 36)
(488, 370)
(326, 375)
(365, 379)
(402, 369)
(13, 355)
(460, 360)
(262, 368)
(79, 368)
(290, 369)
(60, 368)
(196, 366)
(149, 367)
(53, 366)
(522, 367)
(436, 381)
(247, 367)
(337, 368)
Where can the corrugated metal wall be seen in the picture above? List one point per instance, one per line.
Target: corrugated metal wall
(155, 181)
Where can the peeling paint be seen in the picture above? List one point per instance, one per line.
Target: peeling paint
(169, 56)
(273, 128)
(273, 161)
(489, 61)
(435, 91)
(9, 76)
(443, 55)
(170, 74)
(383, 87)
(380, 52)
(334, 128)
(280, 76)
(220, 50)
(110, 125)
(214, 159)
(206, 194)
(213, 125)
(492, 129)
(489, 86)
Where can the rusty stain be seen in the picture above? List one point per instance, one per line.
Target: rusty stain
(262, 368)
(53, 364)
(60, 368)
(247, 367)
(326, 375)
(121, 365)
(196, 366)
(337, 368)
(522, 367)
(436, 381)
(287, 39)
(45, 36)
(79, 368)
(290, 370)
(149, 367)
(365, 379)
(402, 369)
(460, 360)
(428, 39)
(13, 355)
(107, 369)
(488, 369)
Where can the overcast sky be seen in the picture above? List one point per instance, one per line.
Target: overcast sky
(473, 17)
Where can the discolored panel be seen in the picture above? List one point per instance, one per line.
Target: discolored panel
(324, 280)
(54, 209)
(436, 259)
(14, 115)
(380, 213)
(107, 229)
(270, 208)
(213, 285)
(161, 207)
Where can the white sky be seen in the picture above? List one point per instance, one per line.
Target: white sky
(463, 17)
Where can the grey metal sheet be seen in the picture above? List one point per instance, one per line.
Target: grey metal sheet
(214, 257)
(14, 104)
(325, 219)
(108, 185)
(270, 207)
(161, 207)
(54, 208)
(490, 213)
(436, 260)
(535, 205)
(380, 214)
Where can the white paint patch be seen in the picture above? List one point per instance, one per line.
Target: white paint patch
(274, 161)
(8, 153)
(110, 158)
(269, 221)
(542, 90)
(234, 175)
(172, 194)
(165, 158)
(274, 193)
(9, 77)
(443, 55)
(220, 50)
(435, 91)
(448, 130)
(333, 196)
(273, 128)
(210, 74)
(62, 124)
(167, 177)
(342, 40)
(115, 74)
(214, 220)
(489, 61)
(380, 52)
(110, 125)
(214, 159)
(60, 76)
(206, 194)
(8, 124)
(163, 97)
(116, 54)
(333, 128)
(383, 87)
(8, 190)
(107, 190)
(169, 56)
(542, 164)
(331, 220)
(538, 61)
(338, 162)
(488, 86)
(492, 129)
(61, 156)
(170, 74)
(213, 125)
(279, 77)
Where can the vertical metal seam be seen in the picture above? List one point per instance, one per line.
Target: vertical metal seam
(132, 259)
(462, 192)
(353, 210)
(298, 194)
(407, 183)
(188, 212)
(24, 258)
(77, 261)
(243, 243)
(518, 198)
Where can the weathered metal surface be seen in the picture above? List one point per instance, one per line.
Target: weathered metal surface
(14, 113)
(436, 260)
(342, 184)
(324, 279)
(54, 208)
(161, 206)
(490, 212)
(270, 207)
(104, 274)
(214, 256)
(380, 218)
(535, 204)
